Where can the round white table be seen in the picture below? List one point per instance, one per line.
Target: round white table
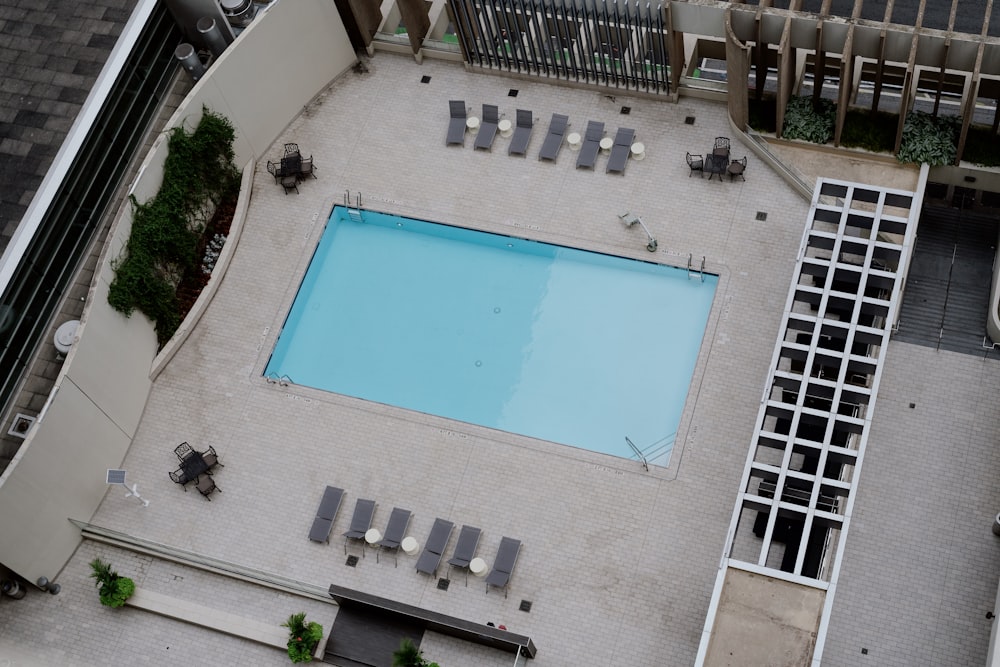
(505, 128)
(638, 150)
(472, 123)
(573, 140)
(606, 144)
(372, 536)
(409, 546)
(477, 566)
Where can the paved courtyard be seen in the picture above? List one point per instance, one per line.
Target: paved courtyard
(618, 563)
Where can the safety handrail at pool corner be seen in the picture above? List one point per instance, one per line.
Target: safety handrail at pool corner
(642, 459)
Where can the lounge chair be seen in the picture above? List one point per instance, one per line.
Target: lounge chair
(206, 485)
(620, 151)
(456, 123)
(465, 550)
(488, 128)
(430, 557)
(327, 512)
(554, 138)
(591, 145)
(522, 133)
(503, 565)
(364, 510)
(395, 530)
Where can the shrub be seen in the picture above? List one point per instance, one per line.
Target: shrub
(114, 589)
(929, 139)
(872, 132)
(982, 147)
(302, 637)
(807, 122)
(197, 174)
(408, 655)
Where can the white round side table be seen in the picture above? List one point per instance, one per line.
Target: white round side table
(573, 139)
(638, 150)
(505, 128)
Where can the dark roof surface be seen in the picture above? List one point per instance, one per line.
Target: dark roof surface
(52, 52)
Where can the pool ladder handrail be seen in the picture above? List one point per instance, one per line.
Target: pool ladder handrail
(353, 212)
(690, 268)
(282, 380)
(642, 459)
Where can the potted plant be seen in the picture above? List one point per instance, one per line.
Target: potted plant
(302, 637)
(408, 655)
(114, 589)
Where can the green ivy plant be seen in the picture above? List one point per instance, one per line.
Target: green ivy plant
(982, 147)
(872, 132)
(114, 589)
(302, 637)
(807, 122)
(198, 173)
(929, 139)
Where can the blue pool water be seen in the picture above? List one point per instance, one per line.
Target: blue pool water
(573, 347)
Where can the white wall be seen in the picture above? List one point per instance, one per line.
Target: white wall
(94, 410)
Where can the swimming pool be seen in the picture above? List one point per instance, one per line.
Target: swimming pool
(573, 347)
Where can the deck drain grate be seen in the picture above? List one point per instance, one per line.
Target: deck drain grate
(512, 92)
(443, 584)
(525, 605)
(352, 561)
(761, 216)
(689, 120)
(626, 111)
(425, 79)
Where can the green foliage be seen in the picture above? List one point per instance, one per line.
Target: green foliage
(872, 132)
(302, 637)
(982, 147)
(198, 174)
(763, 115)
(114, 589)
(808, 123)
(929, 139)
(408, 655)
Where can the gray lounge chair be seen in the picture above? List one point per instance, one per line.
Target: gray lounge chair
(522, 133)
(620, 151)
(395, 530)
(364, 510)
(465, 550)
(327, 512)
(503, 565)
(591, 145)
(430, 557)
(456, 123)
(488, 128)
(554, 138)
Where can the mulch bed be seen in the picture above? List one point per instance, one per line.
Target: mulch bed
(195, 280)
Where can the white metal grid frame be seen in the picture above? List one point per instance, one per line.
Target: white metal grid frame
(812, 427)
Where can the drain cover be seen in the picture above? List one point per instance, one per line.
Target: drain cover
(425, 79)
(443, 584)
(689, 120)
(761, 216)
(626, 111)
(512, 92)
(525, 605)
(352, 561)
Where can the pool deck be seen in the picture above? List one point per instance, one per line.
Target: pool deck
(618, 563)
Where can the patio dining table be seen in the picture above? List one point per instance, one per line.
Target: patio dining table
(716, 164)
(193, 465)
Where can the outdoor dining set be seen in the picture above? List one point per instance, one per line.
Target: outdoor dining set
(196, 467)
(718, 162)
(292, 169)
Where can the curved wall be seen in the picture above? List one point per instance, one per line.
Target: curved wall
(95, 407)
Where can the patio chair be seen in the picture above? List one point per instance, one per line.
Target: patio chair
(275, 170)
(183, 450)
(211, 459)
(721, 144)
(503, 565)
(327, 512)
(206, 485)
(395, 530)
(591, 145)
(522, 133)
(465, 550)
(290, 183)
(306, 168)
(488, 128)
(737, 168)
(620, 151)
(554, 139)
(291, 149)
(178, 477)
(430, 557)
(696, 163)
(364, 510)
(456, 123)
